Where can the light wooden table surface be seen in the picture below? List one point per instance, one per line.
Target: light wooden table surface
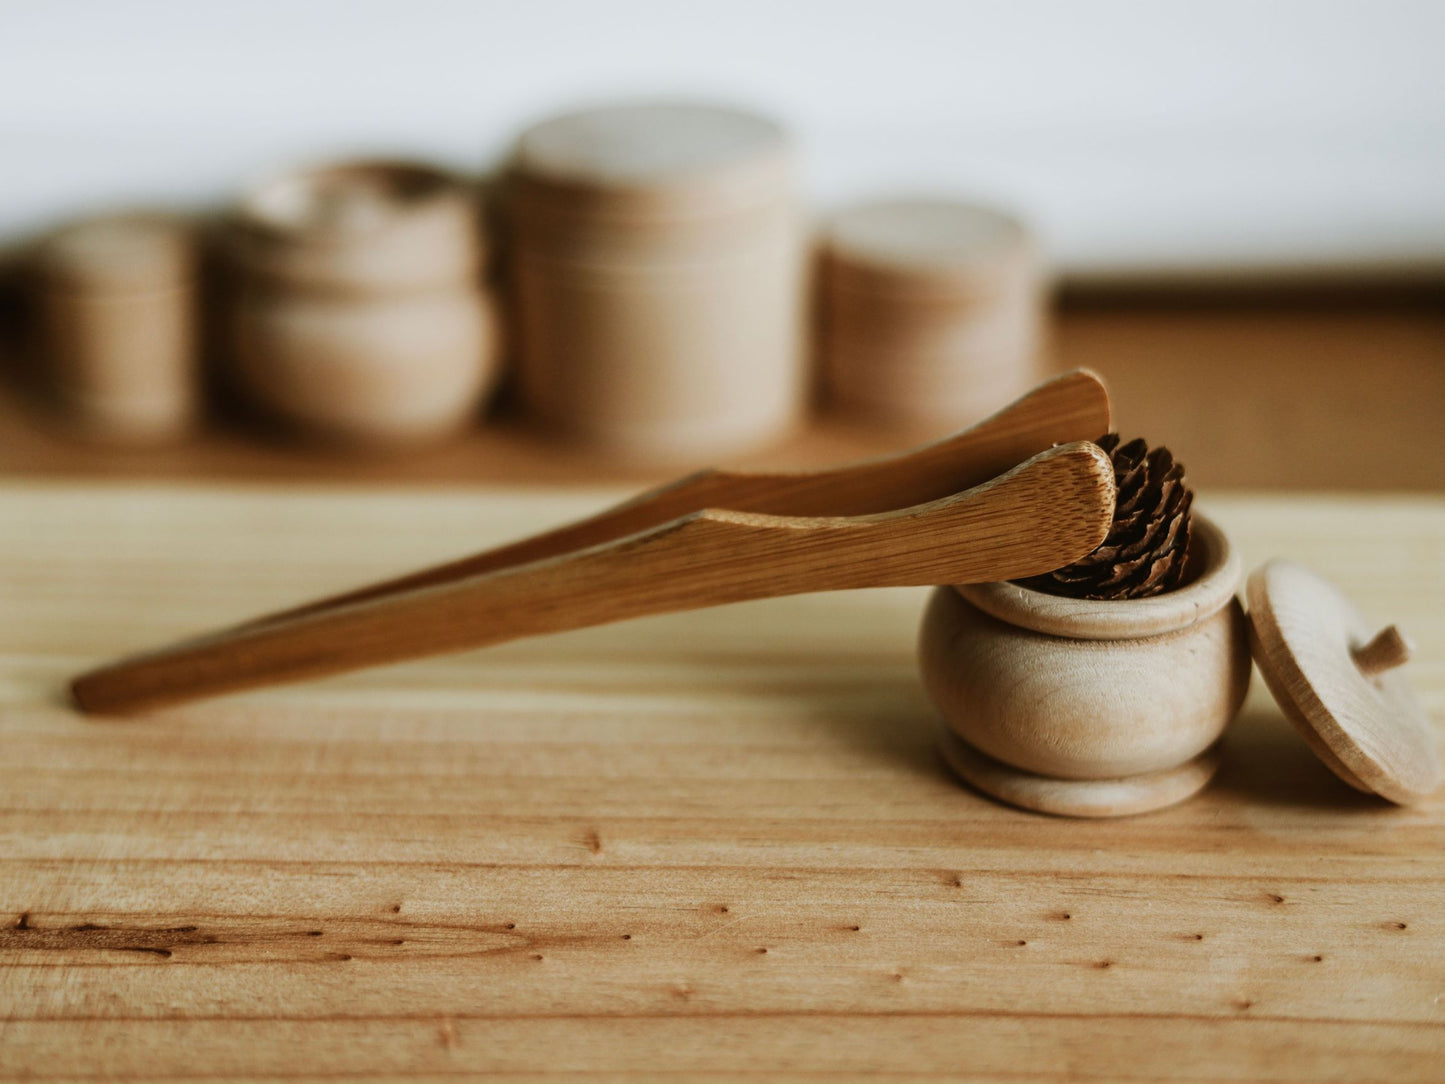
(707, 844)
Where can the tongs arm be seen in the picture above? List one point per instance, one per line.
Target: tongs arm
(1073, 406)
(1043, 514)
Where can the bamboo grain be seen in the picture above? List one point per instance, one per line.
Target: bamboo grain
(710, 538)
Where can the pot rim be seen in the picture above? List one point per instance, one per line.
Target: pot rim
(274, 205)
(1206, 594)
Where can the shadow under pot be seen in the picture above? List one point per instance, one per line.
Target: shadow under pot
(1090, 708)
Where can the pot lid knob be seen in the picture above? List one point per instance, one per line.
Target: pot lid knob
(1340, 683)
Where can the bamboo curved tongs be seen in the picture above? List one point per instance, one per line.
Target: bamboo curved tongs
(1021, 493)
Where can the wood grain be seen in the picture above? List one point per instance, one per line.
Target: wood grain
(697, 845)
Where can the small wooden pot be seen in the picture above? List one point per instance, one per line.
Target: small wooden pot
(374, 370)
(1090, 708)
(359, 314)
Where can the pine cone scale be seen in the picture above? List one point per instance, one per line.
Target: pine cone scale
(1147, 548)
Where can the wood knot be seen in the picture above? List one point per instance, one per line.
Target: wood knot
(447, 1033)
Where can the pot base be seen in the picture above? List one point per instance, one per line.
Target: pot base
(1078, 797)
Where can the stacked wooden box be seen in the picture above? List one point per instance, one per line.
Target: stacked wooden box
(932, 313)
(658, 269)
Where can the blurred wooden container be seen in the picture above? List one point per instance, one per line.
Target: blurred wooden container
(360, 313)
(118, 301)
(932, 312)
(658, 267)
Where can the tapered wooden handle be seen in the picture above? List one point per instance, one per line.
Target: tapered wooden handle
(1043, 514)
(1071, 407)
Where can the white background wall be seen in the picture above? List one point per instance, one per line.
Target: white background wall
(1153, 137)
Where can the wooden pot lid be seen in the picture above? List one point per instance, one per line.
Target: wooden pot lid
(1340, 684)
(366, 225)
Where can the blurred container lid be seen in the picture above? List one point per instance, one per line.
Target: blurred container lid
(655, 159)
(135, 250)
(366, 225)
(928, 245)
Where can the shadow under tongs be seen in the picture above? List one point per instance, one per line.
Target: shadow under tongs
(1267, 763)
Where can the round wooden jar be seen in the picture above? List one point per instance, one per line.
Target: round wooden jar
(658, 271)
(932, 311)
(1090, 708)
(118, 308)
(360, 314)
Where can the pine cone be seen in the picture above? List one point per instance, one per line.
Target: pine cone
(1148, 545)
